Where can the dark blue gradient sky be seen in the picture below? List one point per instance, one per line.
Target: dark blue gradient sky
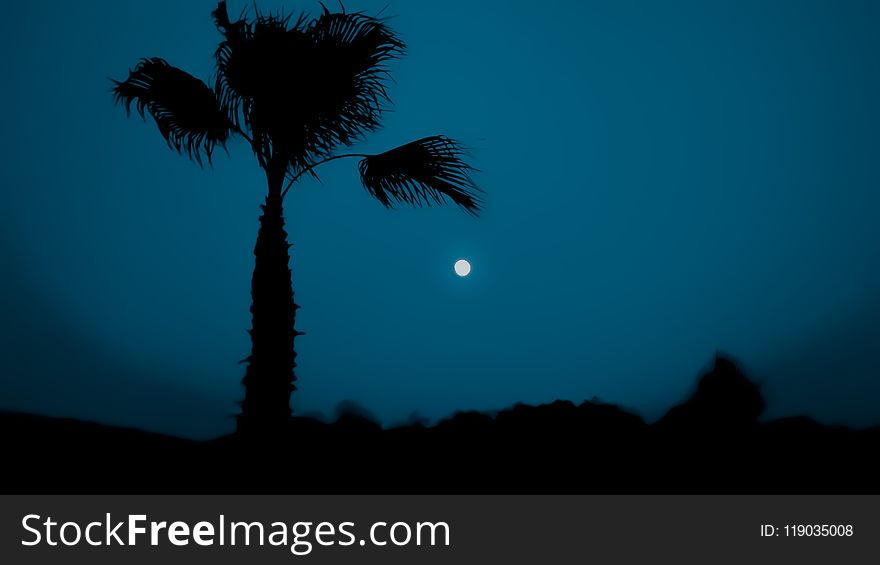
(664, 179)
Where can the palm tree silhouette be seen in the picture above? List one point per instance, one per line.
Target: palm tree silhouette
(297, 90)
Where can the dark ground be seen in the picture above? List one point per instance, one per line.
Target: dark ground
(712, 443)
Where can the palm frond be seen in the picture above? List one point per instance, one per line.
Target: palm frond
(351, 51)
(365, 43)
(426, 171)
(185, 109)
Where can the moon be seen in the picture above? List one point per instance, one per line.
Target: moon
(462, 268)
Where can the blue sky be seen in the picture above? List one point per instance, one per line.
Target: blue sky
(663, 180)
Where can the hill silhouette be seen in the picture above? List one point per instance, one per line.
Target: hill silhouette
(713, 442)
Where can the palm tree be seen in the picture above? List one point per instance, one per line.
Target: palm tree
(297, 90)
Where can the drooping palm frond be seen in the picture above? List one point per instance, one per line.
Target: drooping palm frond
(188, 115)
(304, 87)
(428, 170)
(351, 53)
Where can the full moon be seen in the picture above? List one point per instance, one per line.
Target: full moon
(462, 268)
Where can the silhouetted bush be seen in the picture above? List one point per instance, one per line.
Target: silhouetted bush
(725, 399)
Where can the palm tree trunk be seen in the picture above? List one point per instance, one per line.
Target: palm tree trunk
(269, 378)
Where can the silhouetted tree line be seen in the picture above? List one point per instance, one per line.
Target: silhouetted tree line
(712, 442)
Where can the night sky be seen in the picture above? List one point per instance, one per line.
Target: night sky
(663, 180)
